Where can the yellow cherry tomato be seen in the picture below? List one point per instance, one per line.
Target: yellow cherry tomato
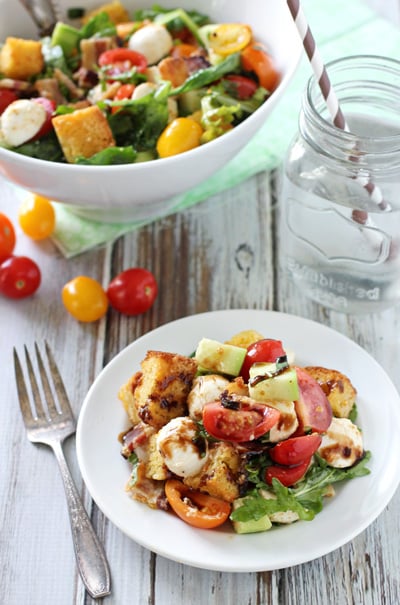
(180, 135)
(36, 217)
(84, 298)
(229, 38)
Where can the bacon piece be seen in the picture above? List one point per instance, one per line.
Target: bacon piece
(49, 88)
(91, 50)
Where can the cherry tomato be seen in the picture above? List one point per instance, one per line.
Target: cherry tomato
(184, 50)
(182, 134)
(255, 59)
(19, 277)
(120, 60)
(36, 217)
(312, 408)
(195, 508)
(133, 291)
(295, 450)
(229, 38)
(287, 475)
(47, 126)
(249, 422)
(84, 298)
(6, 98)
(125, 91)
(265, 350)
(240, 87)
(7, 237)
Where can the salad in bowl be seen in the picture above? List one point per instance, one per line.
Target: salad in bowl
(237, 432)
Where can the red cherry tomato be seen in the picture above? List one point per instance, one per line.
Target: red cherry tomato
(6, 98)
(120, 60)
(125, 91)
(133, 291)
(287, 475)
(50, 107)
(19, 277)
(248, 422)
(266, 350)
(296, 449)
(312, 408)
(7, 237)
(240, 87)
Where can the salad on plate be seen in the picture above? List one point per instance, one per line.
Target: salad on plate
(113, 88)
(238, 432)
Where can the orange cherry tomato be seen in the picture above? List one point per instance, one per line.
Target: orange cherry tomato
(84, 298)
(256, 59)
(36, 217)
(229, 38)
(195, 508)
(7, 237)
(182, 134)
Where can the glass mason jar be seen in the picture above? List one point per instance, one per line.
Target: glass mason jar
(340, 196)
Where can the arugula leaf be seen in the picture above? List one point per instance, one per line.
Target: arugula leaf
(211, 74)
(110, 156)
(46, 148)
(99, 25)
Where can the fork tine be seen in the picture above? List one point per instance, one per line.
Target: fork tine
(22, 392)
(58, 382)
(40, 411)
(51, 404)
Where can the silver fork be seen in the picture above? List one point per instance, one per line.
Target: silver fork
(44, 14)
(51, 425)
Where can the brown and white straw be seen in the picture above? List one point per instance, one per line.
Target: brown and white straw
(329, 95)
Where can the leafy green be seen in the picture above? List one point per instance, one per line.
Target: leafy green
(204, 77)
(216, 119)
(110, 156)
(176, 19)
(247, 106)
(174, 22)
(45, 148)
(99, 25)
(353, 413)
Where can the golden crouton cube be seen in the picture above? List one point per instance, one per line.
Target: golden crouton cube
(116, 12)
(337, 387)
(83, 133)
(163, 388)
(155, 466)
(220, 475)
(245, 338)
(20, 59)
(125, 394)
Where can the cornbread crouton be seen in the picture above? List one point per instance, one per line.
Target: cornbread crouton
(220, 475)
(162, 390)
(125, 394)
(155, 466)
(238, 387)
(83, 133)
(20, 59)
(245, 338)
(337, 387)
(115, 11)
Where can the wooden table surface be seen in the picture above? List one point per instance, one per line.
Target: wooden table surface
(220, 254)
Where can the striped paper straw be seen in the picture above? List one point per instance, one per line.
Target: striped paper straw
(331, 99)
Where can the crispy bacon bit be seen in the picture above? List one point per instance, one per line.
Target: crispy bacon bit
(49, 88)
(135, 437)
(76, 92)
(15, 84)
(92, 49)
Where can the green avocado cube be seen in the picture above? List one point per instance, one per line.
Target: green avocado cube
(220, 358)
(265, 385)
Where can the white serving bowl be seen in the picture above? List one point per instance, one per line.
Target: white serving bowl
(145, 190)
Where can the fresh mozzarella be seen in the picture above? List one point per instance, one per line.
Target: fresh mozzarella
(144, 89)
(176, 442)
(21, 120)
(205, 389)
(153, 41)
(287, 423)
(342, 443)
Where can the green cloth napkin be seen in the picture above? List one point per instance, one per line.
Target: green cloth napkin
(340, 28)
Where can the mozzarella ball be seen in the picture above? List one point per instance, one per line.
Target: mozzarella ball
(176, 444)
(153, 41)
(21, 120)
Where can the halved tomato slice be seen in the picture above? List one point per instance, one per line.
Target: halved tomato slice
(195, 508)
(295, 449)
(313, 408)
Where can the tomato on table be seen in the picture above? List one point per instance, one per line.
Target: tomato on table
(6, 98)
(240, 87)
(7, 237)
(287, 475)
(265, 350)
(249, 421)
(133, 291)
(295, 450)
(229, 38)
(36, 217)
(84, 298)
(195, 508)
(256, 59)
(119, 60)
(312, 408)
(19, 277)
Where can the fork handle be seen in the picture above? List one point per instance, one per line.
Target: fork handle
(89, 553)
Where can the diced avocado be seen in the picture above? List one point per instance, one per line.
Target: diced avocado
(189, 102)
(280, 387)
(66, 36)
(221, 358)
(250, 527)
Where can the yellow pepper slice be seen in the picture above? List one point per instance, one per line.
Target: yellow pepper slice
(229, 38)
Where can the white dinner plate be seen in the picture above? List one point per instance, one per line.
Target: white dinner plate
(356, 505)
